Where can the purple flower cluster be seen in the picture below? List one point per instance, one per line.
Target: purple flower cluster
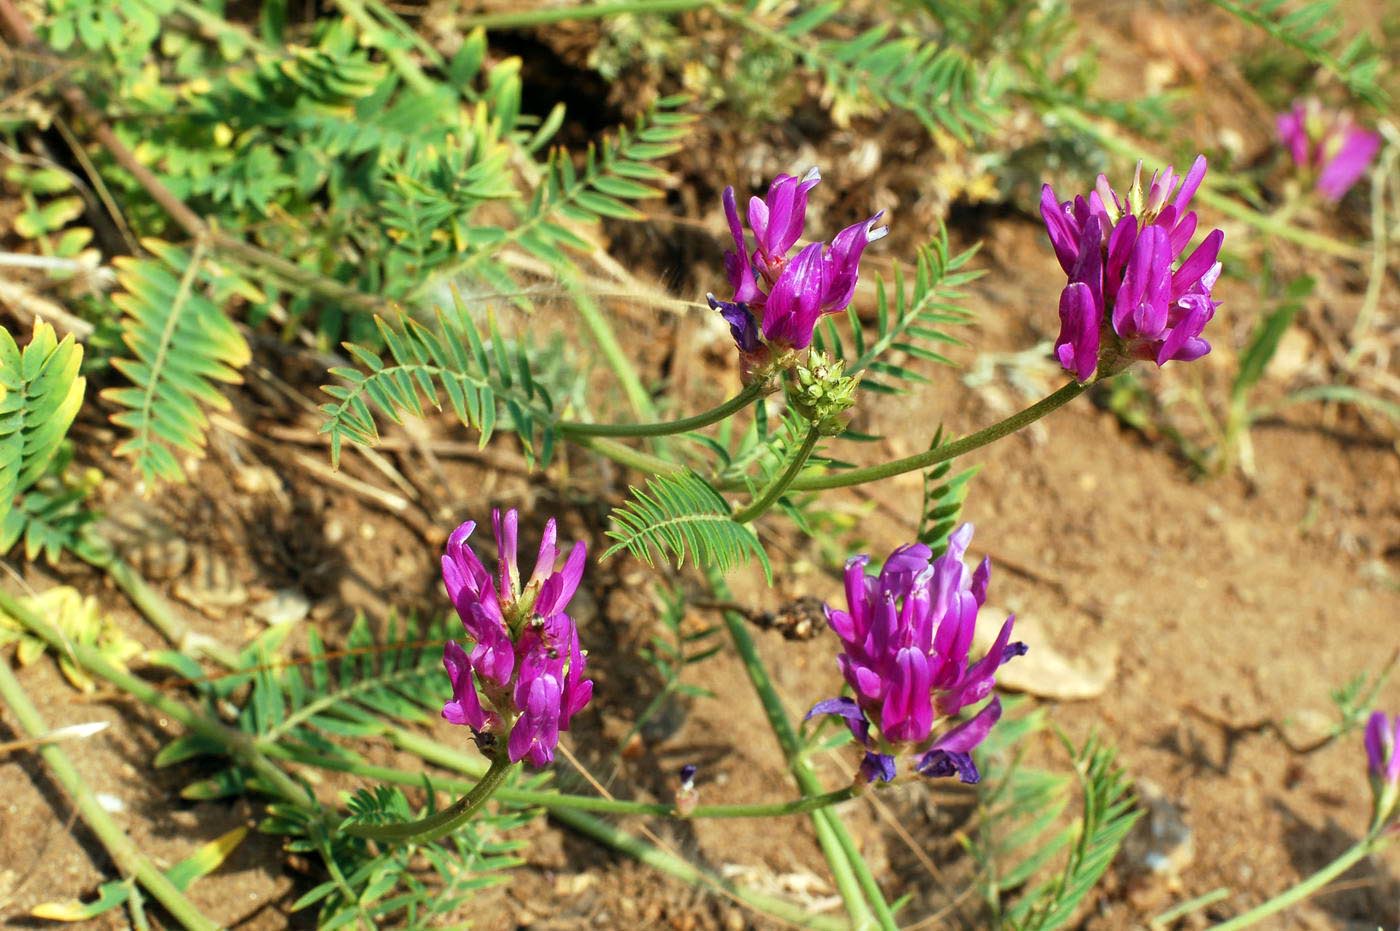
(905, 643)
(1130, 294)
(1329, 145)
(526, 659)
(789, 295)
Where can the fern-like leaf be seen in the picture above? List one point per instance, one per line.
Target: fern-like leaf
(1313, 29)
(938, 83)
(40, 393)
(916, 320)
(943, 500)
(615, 173)
(683, 516)
(183, 347)
(487, 384)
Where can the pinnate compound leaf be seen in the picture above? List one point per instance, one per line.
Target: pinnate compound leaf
(682, 516)
(182, 348)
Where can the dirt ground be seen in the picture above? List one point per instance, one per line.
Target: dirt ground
(1219, 612)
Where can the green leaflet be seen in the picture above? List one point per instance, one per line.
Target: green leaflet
(681, 514)
(487, 382)
(912, 323)
(40, 393)
(183, 346)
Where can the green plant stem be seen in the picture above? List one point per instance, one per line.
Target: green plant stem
(783, 482)
(442, 823)
(835, 841)
(155, 608)
(124, 852)
(431, 751)
(602, 332)
(1305, 888)
(946, 451)
(543, 16)
(238, 745)
(666, 427)
(627, 456)
(1380, 248)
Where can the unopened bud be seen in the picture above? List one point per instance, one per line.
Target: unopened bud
(822, 393)
(687, 796)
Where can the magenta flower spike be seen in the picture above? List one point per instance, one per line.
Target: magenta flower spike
(526, 658)
(905, 638)
(1328, 146)
(1383, 747)
(1129, 294)
(777, 300)
(1383, 762)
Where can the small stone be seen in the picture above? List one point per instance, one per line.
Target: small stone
(286, 606)
(110, 802)
(1307, 728)
(1162, 844)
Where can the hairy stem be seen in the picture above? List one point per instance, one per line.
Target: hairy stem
(543, 16)
(442, 823)
(433, 752)
(125, 854)
(1305, 888)
(946, 451)
(783, 482)
(666, 427)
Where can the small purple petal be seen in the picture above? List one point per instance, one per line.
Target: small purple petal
(794, 304)
(1077, 346)
(1192, 182)
(1346, 167)
(1200, 262)
(740, 320)
(877, 766)
(1064, 232)
(938, 763)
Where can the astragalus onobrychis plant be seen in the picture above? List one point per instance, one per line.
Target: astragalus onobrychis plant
(344, 192)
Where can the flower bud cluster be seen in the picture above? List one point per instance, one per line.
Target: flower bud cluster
(820, 391)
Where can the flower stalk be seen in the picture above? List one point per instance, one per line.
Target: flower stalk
(743, 399)
(783, 482)
(1017, 421)
(442, 823)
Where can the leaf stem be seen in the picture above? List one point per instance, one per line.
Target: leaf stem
(444, 822)
(124, 852)
(946, 451)
(543, 16)
(783, 482)
(1308, 886)
(666, 427)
